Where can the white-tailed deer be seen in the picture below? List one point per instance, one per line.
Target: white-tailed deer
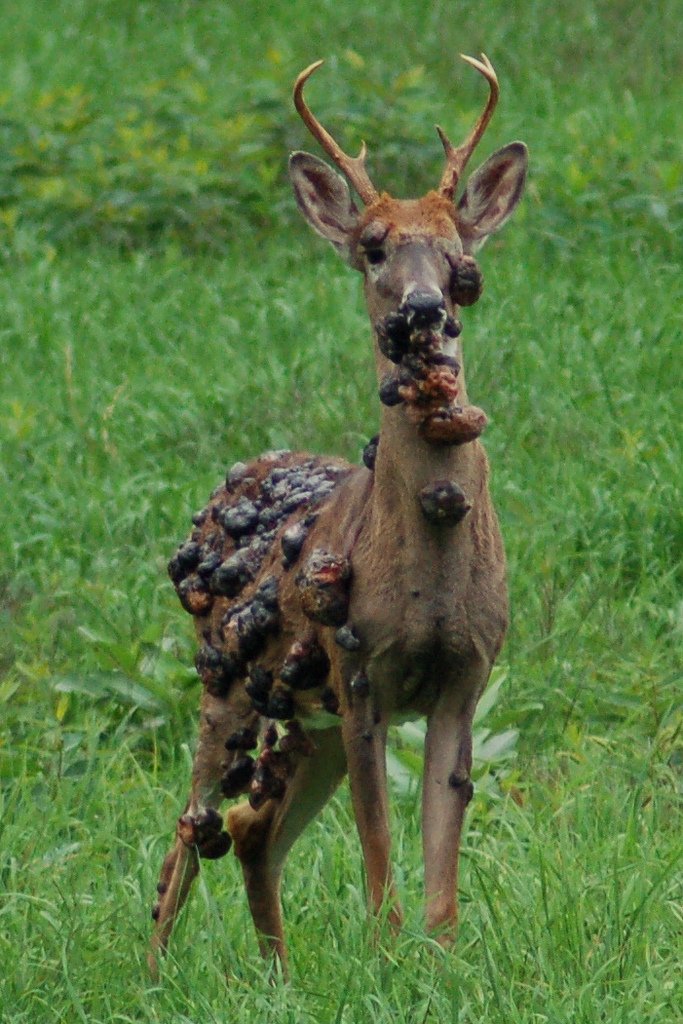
(332, 600)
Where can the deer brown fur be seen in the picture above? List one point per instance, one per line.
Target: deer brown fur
(331, 600)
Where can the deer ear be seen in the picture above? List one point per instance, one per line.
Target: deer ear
(491, 194)
(324, 199)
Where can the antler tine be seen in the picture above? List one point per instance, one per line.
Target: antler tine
(352, 167)
(456, 158)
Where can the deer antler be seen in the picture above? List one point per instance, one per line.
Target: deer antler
(352, 167)
(456, 158)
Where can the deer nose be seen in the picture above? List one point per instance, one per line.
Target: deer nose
(423, 308)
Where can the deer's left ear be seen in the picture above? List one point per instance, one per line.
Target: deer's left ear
(491, 194)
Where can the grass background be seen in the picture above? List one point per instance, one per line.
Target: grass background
(163, 313)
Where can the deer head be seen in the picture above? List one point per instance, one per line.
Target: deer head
(409, 247)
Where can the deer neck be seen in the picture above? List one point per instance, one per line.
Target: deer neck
(406, 465)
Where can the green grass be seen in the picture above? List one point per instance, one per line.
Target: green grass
(569, 909)
(145, 346)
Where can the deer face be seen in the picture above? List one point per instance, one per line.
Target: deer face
(413, 247)
(406, 251)
(405, 246)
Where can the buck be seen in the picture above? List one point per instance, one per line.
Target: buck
(333, 600)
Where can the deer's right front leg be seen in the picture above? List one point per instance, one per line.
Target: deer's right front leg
(365, 744)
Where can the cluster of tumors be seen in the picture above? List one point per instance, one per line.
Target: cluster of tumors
(246, 546)
(426, 381)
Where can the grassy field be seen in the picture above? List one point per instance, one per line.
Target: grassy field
(163, 313)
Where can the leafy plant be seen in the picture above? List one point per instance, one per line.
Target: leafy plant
(494, 741)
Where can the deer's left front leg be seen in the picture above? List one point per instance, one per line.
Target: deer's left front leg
(447, 789)
(365, 745)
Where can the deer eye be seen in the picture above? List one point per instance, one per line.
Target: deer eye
(375, 255)
(372, 241)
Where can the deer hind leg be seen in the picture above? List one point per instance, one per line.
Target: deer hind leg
(365, 737)
(264, 837)
(447, 790)
(199, 831)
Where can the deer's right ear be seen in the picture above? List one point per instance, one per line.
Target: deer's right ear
(325, 201)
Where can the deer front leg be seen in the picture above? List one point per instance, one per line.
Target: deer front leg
(365, 745)
(447, 789)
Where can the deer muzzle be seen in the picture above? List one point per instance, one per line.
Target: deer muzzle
(417, 338)
(423, 309)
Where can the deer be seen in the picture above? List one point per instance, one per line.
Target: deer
(332, 600)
